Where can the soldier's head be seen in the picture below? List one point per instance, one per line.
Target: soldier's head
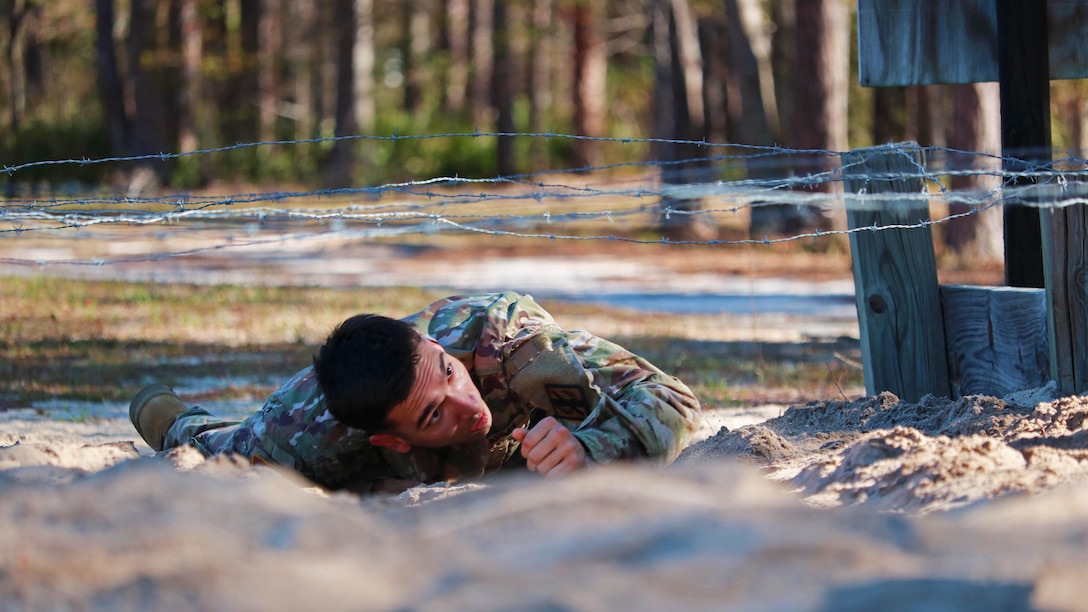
(380, 375)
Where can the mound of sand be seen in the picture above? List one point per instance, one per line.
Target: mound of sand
(937, 454)
(971, 504)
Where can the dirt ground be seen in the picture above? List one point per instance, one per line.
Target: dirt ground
(874, 504)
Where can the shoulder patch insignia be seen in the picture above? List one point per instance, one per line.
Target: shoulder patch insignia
(568, 401)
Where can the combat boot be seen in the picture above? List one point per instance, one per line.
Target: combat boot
(153, 411)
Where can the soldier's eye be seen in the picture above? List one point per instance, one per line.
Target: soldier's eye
(434, 415)
(449, 371)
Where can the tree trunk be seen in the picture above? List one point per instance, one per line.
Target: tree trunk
(306, 71)
(249, 81)
(717, 78)
(416, 51)
(306, 79)
(821, 73)
(930, 122)
(672, 122)
(976, 126)
(192, 52)
(590, 65)
(784, 62)
(1070, 101)
(268, 58)
(341, 169)
(483, 59)
(502, 91)
(687, 52)
(324, 53)
(1079, 128)
(753, 109)
(111, 90)
(889, 115)
(755, 119)
(539, 82)
(146, 96)
(19, 13)
(363, 65)
(457, 20)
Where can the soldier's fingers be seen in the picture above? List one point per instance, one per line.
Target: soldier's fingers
(547, 463)
(566, 449)
(538, 455)
(537, 436)
(540, 431)
(569, 464)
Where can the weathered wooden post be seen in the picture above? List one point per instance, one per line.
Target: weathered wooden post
(895, 274)
(1022, 44)
(1023, 69)
(1065, 265)
(996, 339)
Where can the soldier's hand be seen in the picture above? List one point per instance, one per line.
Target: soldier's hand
(550, 449)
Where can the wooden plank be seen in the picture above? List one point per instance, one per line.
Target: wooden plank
(1065, 264)
(895, 275)
(1022, 35)
(912, 42)
(996, 338)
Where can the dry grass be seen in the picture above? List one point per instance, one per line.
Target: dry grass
(67, 339)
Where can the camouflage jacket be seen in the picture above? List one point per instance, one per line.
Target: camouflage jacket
(618, 405)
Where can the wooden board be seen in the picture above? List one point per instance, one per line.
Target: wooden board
(997, 339)
(1022, 34)
(895, 275)
(1065, 265)
(924, 42)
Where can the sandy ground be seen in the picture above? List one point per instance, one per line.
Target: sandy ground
(876, 504)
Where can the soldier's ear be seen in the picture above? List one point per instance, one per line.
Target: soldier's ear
(391, 441)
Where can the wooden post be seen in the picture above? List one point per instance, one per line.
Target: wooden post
(996, 338)
(1024, 75)
(1065, 265)
(895, 275)
(1022, 44)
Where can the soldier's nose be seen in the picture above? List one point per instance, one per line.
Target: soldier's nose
(463, 402)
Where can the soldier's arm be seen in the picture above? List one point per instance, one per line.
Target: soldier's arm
(627, 407)
(641, 412)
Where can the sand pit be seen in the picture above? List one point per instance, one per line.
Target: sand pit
(896, 456)
(973, 504)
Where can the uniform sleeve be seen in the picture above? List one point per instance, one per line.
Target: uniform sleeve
(641, 413)
(616, 403)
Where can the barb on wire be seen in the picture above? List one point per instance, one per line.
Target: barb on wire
(569, 202)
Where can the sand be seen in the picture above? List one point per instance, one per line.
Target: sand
(978, 503)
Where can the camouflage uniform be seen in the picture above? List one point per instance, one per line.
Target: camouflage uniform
(618, 405)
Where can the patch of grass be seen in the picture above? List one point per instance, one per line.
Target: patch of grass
(95, 341)
(98, 340)
(730, 373)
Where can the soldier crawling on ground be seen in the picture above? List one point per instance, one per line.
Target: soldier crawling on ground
(453, 391)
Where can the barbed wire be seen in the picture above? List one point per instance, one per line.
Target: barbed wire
(163, 156)
(568, 203)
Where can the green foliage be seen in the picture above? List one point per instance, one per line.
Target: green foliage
(76, 138)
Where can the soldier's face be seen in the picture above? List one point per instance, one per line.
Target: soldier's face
(444, 407)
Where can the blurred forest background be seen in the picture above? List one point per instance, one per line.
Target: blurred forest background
(92, 79)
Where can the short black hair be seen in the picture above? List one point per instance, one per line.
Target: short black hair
(366, 367)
